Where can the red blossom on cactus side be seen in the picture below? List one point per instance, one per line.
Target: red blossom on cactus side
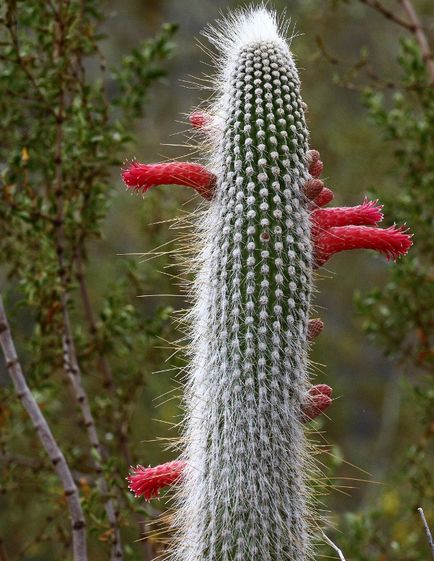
(144, 176)
(147, 482)
(344, 228)
(391, 242)
(368, 213)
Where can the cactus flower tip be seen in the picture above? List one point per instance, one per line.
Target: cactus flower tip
(147, 482)
(133, 175)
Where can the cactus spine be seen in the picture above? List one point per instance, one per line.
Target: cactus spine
(243, 495)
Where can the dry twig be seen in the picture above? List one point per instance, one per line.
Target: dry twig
(420, 37)
(413, 25)
(333, 546)
(71, 364)
(378, 6)
(427, 530)
(3, 553)
(46, 437)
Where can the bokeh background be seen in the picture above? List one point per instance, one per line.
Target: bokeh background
(340, 47)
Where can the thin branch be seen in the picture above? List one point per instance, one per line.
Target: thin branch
(3, 552)
(106, 371)
(73, 372)
(420, 37)
(427, 530)
(20, 460)
(378, 6)
(11, 26)
(37, 464)
(91, 320)
(413, 25)
(71, 365)
(333, 545)
(46, 437)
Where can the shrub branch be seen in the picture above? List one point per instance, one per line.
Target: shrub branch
(46, 437)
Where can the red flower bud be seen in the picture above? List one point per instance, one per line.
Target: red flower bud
(312, 156)
(315, 326)
(315, 169)
(323, 198)
(313, 188)
(319, 398)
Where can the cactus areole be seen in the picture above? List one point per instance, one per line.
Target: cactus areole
(242, 489)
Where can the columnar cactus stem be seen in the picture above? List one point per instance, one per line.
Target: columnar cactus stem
(244, 491)
(242, 483)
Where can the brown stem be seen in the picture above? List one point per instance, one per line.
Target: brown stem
(46, 437)
(427, 530)
(104, 365)
(376, 5)
(105, 369)
(419, 33)
(71, 365)
(20, 460)
(3, 552)
(11, 26)
(413, 25)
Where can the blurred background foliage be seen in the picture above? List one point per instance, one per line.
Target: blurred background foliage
(118, 80)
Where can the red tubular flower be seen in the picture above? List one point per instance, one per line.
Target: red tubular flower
(368, 213)
(315, 326)
(144, 176)
(319, 398)
(391, 242)
(147, 482)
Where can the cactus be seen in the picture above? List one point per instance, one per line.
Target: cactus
(242, 488)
